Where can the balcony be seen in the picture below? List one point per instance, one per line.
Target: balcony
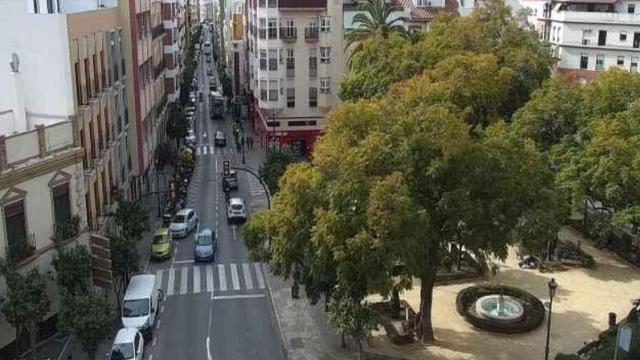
(288, 34)
(595, 17)
(66, 229)
(311, 34)
(157, 31)
(19, 249)
(302, 5)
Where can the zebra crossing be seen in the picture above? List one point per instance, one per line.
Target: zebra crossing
(254, 187)
(213, 150)
(211, 278)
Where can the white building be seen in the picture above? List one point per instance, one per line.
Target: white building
(174, 21)
(294, 65)
(234, 39)
(589, 36)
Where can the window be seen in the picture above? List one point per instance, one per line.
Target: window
(87, 78)
(61, 203)
(631, 8)
(586, 36)
(273, 28)
(76, 68)
(600, 62)
(620, 60)
(313, 97)
(273, 59)
(325, 85)
(623, 36)
(16, 226)
(325, 23)
(273, 90)
(273, 3)
(35, 6)
(584, 61)
(50, 6)
(325, 54)
(291, 97)
(313, 63)
(553, 34)
(262, 3)
(602, 37)
(96, 84)
(291, 63)
(262, 28)
(263, 59)
(634, 64)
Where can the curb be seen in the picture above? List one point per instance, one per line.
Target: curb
(274, 313)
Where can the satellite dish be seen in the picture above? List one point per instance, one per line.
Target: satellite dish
(15, 63)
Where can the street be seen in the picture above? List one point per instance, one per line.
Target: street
(217, 310)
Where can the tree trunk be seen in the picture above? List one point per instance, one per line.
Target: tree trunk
(395, 302)
(360, 349)
(428, 279)
(33, 340)
(342, 341)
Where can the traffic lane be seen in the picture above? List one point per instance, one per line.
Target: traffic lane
(181, 330)
(243, 329)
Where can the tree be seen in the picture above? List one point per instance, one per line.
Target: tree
(165, 154)
(88, 317)
(273, 168)
(374, 20)
(551, 114)
(26, 303)
(353, 318)
(177, 124)
(73, 270)
(132, 220)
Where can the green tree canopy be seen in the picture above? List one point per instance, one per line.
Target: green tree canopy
(273, 168)
(88, 317)
(375, 19)
(73, 269)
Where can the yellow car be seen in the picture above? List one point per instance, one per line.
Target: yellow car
(162, 244)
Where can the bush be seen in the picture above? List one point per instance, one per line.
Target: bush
(534, 311)
(571, 251)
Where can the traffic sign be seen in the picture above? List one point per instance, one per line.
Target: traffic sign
(225, 168)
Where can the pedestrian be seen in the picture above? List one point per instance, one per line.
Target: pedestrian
(250, 142)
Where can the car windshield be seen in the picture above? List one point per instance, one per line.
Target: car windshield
(135, 308)
(179, 219)
(204, 240)
(160, 239)
(236, 207)
(122, 352)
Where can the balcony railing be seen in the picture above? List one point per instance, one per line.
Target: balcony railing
(311, 34)
(291, 73)
(288, 34)
(19, 249)
(157, 31)
(66, 229)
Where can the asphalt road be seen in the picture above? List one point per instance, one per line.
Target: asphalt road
(217, 310)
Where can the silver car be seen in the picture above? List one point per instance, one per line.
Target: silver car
(183, 223)
(236, 212)
(205, 246)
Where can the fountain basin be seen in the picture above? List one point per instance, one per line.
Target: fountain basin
(499, 308)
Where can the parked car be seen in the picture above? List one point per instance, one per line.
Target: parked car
(183, 223)
(205, 246)
(220, 139)
(230, 181)
(209, 72)
(162, 244)
(190, 138)
(140, 303)
(208, 59)
(127, 345)
(236, 212)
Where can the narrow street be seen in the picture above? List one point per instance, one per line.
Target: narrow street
(217, 310)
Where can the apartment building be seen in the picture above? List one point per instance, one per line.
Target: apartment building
(64, 128)
(206, 10)
(589, 36)
(144, 40)
(235, 44)
(173, 15)
(294, 65)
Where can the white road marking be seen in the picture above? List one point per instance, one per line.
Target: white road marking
(159, 276)
(232, 297)
(155, 339)
(209, 278)
(198, 151)
(222, 277)
(212, 150)
(234, 277)
(216, 168)
(246, 271)
(233, 230)
(196, 279)
(258, 269)
(183, 280)
(204, 150)
(204, 135)
(183, 262)
(158, 324)
(209, 357)
(161, 309)
(151, 357)
(172, 280)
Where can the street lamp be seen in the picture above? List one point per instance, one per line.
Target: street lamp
(552, 292)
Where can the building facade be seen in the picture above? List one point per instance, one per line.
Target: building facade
(173, 15)
(589, 36)
(235, 45)
(294, 64)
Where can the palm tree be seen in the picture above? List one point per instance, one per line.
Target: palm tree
(374, 21)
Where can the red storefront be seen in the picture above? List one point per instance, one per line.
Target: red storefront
(299, 141)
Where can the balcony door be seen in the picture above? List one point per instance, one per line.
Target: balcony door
(602, 38)
(636, 40)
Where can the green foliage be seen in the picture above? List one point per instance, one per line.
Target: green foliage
(26, 302)
(132, 220)
(177, 124)
(66, 229)
(373, 20)
(273, 168)
(124, 259)
(73, 270)
(490, 30)
(353, 318)
(165, 155)
(88, 317)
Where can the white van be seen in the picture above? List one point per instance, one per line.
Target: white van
(140, 304)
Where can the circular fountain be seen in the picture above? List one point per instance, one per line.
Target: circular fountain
(500, 308)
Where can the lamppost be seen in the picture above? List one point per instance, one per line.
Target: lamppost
(552, 292)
